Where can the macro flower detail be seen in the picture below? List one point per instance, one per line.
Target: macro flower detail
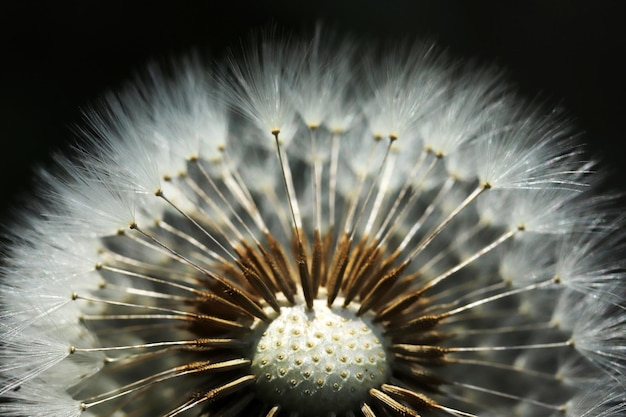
(316, 228)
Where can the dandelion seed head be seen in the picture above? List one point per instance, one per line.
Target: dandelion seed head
(316, 228)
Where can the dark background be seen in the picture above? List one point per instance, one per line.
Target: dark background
(56, 56)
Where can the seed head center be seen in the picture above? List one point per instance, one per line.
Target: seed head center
(314, 362)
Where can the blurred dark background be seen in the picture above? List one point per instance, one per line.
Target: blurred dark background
(56, 56)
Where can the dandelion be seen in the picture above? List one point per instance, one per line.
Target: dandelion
(317, 229)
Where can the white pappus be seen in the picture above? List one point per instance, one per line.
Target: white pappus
(314, 227)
